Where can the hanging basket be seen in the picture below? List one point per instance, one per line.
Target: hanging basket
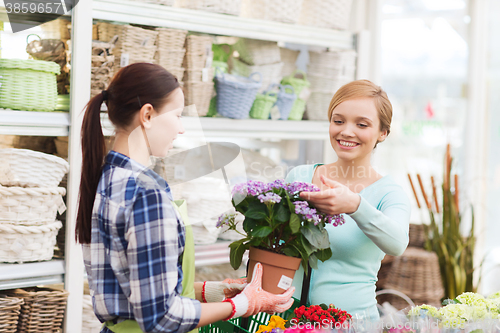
(20, 244)
(28, 84)
(28, 168)
(236, 94)
(286, 98)
(261, 108)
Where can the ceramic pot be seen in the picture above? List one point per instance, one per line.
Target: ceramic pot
(277, 269)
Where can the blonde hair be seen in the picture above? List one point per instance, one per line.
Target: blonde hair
(365, 89)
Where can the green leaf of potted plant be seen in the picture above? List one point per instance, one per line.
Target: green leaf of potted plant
(278, 223)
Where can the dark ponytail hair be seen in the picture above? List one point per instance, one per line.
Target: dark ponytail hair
(131, 88)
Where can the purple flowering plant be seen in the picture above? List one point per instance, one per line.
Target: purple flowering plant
(278, 220)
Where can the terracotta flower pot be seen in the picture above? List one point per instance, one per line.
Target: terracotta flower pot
(277, 269)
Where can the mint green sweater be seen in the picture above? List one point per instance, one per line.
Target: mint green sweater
(379, 226)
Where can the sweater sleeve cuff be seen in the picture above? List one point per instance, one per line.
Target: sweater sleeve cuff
(364, 211)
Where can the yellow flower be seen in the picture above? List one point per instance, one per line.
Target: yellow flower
(274, 322)
(264, 328)
(277, 322)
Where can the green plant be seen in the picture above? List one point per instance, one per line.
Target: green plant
(278, 220)
(454, 250)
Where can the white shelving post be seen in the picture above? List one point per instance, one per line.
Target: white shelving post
(80, 92)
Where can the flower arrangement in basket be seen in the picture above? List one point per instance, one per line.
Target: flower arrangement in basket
(278, 223)
(467, 309)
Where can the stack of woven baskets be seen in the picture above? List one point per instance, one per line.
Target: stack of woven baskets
(327, 72)
(198, 78)
(133, 45)
(170, 50)
(263, 57)
(415, 273)
(29, 201)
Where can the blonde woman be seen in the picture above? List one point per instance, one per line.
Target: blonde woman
(375, 208)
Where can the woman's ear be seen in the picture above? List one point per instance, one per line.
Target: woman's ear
(382, 136)
(145, 115)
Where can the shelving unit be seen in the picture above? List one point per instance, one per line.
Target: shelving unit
(69, 124)
(34, 123)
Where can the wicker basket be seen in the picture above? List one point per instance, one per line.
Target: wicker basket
(134, 44)
(298, 109)
(199, 44)
(20, 244)
(199, 94)
(331, 14)
(287, 11)
(28, 84)
(416, 273)
(24, 167)
(199, 75)
(90, 323)
(30, 206)
(317, 105)
(298, 80)
(289, 59)
(319, 61)
(10, 308)
(327, 84)
(102, 67)
(417, 235)
(205, 233)
(383, 273)
(261, 108)
(232, 7)
(170, 59)
(171, 39)
(43, 309)
(159, 2)
(107, 31)
(235, 94)
(286, 98)
(271, 73)
(257, 52)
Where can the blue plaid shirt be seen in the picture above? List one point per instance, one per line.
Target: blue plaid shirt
(134, 263)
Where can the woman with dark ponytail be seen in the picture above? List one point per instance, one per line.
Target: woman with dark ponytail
(133, 236)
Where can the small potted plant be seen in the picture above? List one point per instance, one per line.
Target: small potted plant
(280, 230)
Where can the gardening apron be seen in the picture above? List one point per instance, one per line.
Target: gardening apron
(130, 325)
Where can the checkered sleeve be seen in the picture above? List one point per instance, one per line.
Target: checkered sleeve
(155, 240)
